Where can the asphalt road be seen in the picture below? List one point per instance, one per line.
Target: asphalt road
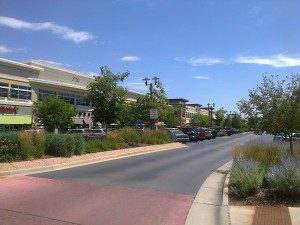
(179, 171)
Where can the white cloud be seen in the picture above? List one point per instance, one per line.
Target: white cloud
(274, 61)
(130, 58)
(54, 63)
(138, 86)
(92, 74)
(62, 31)
(201, 77)
(5, 49)
(198, 61)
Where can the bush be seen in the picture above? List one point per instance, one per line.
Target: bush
(246, 176)
(155, 137)
(265, 152)
(9, 149)
(221, 133)
(26, 144)
(285, 177)
(64, 145)
(130, 136)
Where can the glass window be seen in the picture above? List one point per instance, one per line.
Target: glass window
(20, 92)
(20, 87)
(3, 90)
(80, 100)
(68, 98)
(45, 93)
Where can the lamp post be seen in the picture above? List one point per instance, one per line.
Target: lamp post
(210, 109)
(150, 84)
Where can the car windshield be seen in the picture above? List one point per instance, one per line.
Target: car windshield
(77, 131)
(97, 131)
(177, 132)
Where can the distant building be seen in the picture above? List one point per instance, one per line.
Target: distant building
(186, 111)
(21, 84)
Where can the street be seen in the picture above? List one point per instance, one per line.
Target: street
(156, 188)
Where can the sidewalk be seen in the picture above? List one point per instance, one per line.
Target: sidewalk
(55, 163)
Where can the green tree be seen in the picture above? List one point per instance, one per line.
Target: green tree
(199, 120)
(220, 117)
(107, 97)
(237, 121)
(54, 113)
(228, 121)
(169, 115)
(274, 106)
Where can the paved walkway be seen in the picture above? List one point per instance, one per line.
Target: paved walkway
(264, 215)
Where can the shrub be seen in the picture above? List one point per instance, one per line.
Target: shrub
(26, 144)
(130, 136)
(39, 142)
(155, 137)
(246, 176)
(265, 152)
(221, 133)
(9, 149)
(285, 177)
(64, 145)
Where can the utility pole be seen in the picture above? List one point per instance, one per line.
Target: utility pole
(150, 84)
(210, 109)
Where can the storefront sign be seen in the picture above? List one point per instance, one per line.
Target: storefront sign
(9, 109)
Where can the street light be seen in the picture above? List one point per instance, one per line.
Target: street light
(210, 109)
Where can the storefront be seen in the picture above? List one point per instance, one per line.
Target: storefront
(14, 117)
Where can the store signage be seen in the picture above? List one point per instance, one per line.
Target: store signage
(9, 109)
(153, 114)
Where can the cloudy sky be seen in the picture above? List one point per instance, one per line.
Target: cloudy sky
(203, 50)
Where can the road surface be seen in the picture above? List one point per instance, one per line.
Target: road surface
(156, 188)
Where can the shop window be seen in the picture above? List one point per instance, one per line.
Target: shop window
(80, 100)
(68, 98)
(45, 93)
(3, 90)
(20, 92)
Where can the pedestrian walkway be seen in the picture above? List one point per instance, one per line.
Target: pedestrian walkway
(264, 215)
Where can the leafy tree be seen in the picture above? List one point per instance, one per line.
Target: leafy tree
(274, 106)
(169, 115)
(106, 96)
(220, 117)
(54, 113)
(199, 120)
(228, 121)
(237, 121)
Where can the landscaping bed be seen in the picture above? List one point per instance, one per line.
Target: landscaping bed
(265, 173)
(28, 145)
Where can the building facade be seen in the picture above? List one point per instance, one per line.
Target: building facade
(22, 84)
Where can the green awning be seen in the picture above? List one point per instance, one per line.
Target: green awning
(15, 119)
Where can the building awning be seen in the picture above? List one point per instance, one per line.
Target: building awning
(15, 119)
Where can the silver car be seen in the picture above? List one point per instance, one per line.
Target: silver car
(179, 136)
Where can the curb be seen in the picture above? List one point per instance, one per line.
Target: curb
(210, 206)
(84, 162)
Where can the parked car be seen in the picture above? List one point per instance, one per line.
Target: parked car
(208, 133)
(214, 133)
(192, 133)
(179, 136)
(229, 131)
(90, 134)
(201, 134)
(279, 137)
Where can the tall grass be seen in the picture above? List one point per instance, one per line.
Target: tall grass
(263, 151)
(26, 145)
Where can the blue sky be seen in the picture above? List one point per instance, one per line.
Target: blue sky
(205, 51)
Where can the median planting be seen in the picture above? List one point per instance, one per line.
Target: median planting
(27, 145)
(265, 173)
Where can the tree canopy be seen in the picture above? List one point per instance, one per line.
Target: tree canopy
(106, 96)
(219, 117)
(199, 120)
(274, 106)
(54, 113)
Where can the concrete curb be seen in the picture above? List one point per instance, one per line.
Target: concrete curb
(60, 166)
(210, 206)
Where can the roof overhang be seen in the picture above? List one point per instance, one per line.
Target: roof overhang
(55, 83)
(20, 65)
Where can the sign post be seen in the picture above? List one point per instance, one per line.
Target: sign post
(153, 116)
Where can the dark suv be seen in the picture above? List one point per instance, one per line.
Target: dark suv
(192, 133)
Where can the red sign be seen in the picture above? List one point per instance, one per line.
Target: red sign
(8, 109)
